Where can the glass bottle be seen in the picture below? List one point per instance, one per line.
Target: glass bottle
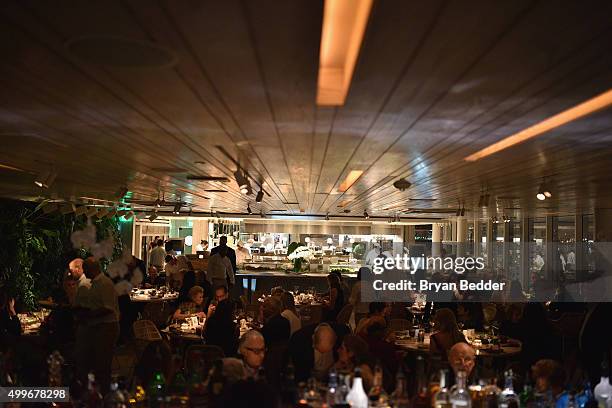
(508, 398)
(289, 392)
(526, 396)
(603, 390)
(114, 398)
(442, 397)
(311, 394)
(332, 388)
(420, 398)
(94, 398)
(491, 393)
(357, 397)
(157, 390)
(399, 397)
(343, 391)
(460, 396)
(377, 395)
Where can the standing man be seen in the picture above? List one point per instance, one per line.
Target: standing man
(157, 255)
(98, 313)
(220, 271)
(76, 270)
(231, 254)
(202, 246)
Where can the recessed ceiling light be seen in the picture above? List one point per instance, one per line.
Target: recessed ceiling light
(586, 108)
(344, 24)
(352, 177)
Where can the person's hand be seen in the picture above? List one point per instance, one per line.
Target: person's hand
(211, 310)
(201, 315)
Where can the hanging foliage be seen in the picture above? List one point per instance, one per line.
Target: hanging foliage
(35, 248)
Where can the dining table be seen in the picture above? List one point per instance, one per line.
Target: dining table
(152, 295)
(507, 348)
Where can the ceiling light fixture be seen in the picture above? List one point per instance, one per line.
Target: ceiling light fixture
(540, 195)
(366, 215)
(344, 24)
(327, 217)
(249, 209)
(350, 179)
(153, 216)
(243, 182)
(46, 178)
(129, 215)
(259, 196)
(585, 108)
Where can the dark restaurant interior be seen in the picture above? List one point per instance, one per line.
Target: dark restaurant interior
(306, 203)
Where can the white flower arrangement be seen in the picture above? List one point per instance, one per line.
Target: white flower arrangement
(301, 252)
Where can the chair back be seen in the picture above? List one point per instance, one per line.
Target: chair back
(310, 314)
(345, 314)
(146, 330)
(200, 358)
(399, 324)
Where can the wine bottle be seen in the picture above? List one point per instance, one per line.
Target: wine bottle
(357, 397)
(94, 398)
(442, 397)
(420, 397)
(377, 395)
(399, 397)
(603, 390)
(508, 398)
(157, 390)
(491, 393)
(460, 396)
(115, 398)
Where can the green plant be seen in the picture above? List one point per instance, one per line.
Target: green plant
(292, 247)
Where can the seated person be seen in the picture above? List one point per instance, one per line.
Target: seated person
(548, 375)
(252, 348)
(462, 357)
(289, 312)
(277, 291)
(276, 328)
(336, 298)
(446, 333)
(220, 329)
(153, 280)
(381, 349)
(220, 295)
(188, 282)
(10, 326)
(311, 350)
(354, 353)
(192, 307)
(378, 313)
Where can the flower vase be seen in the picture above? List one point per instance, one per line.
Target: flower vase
(297, 265)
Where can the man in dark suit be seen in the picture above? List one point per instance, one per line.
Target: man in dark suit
(276, 329)
(231, 254)
(312, 349)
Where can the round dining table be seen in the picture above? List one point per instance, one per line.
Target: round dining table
(152, 296)
(510, 348)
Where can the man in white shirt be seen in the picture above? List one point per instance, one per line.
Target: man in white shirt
(202, 246)
(98, 314)
(158, 255)
(220, 271)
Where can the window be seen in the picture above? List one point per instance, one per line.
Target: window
(537, 249)
(564, 249)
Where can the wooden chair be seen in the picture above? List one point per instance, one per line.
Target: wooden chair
(200, 358)
(345, 314)
(145, 330)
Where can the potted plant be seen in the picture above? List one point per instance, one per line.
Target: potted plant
(298, 253)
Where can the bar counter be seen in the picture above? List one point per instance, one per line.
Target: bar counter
(263, 281)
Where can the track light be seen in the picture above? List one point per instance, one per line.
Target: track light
(249, 209)
(243, 182)
(259, 197)
(458, 213)
(541, 195)
(177, 209)
(366, 215)
(462, 211)
(327, 217)
(46, 178)
(546, 190)
(153, 216)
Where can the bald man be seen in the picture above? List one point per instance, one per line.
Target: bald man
(311, 349)
(462, 357)
(76, 270)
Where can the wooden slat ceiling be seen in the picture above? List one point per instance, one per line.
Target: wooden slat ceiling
(435, 81)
